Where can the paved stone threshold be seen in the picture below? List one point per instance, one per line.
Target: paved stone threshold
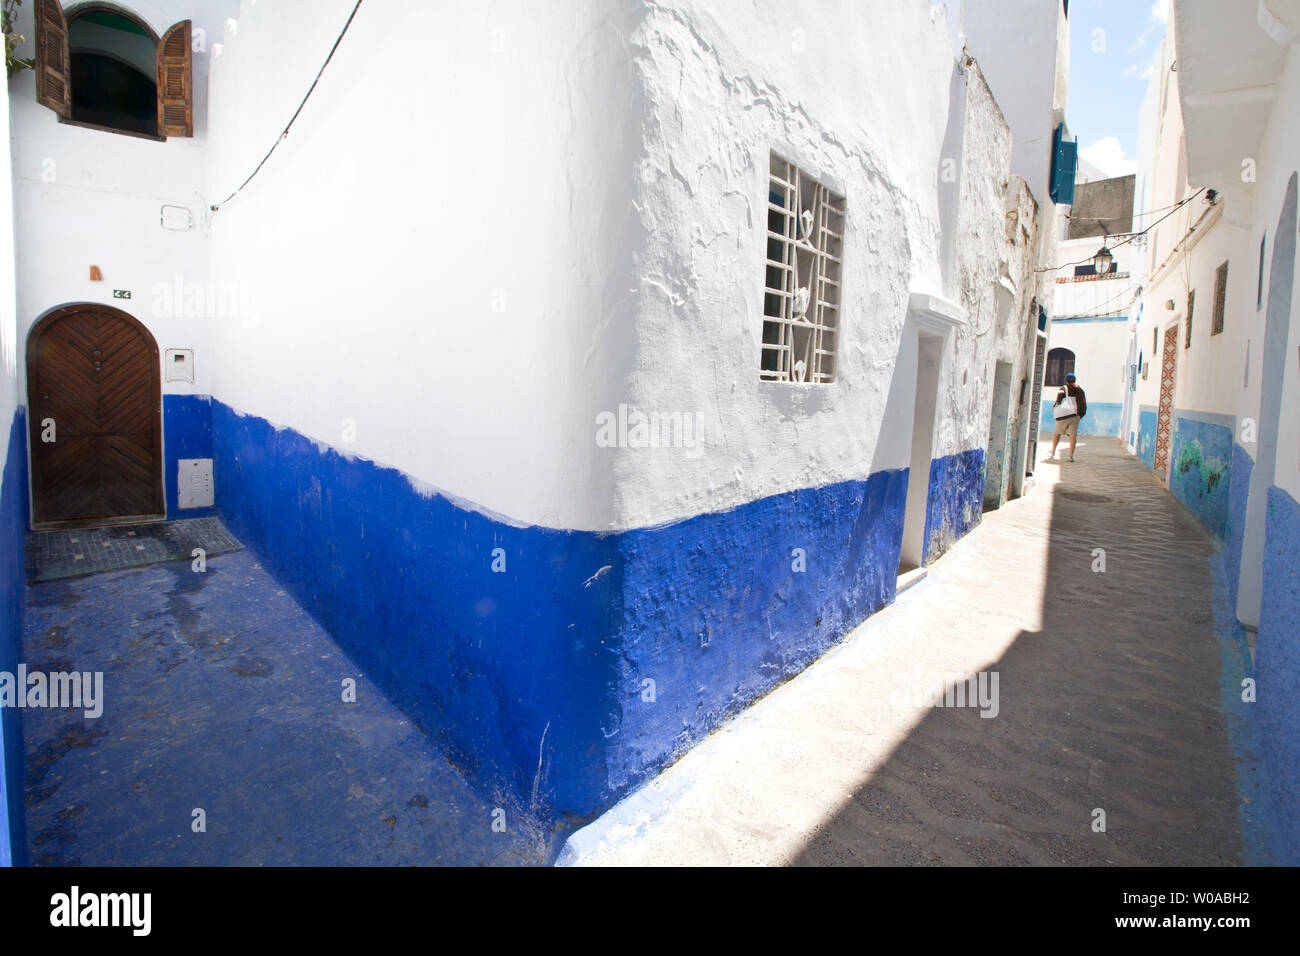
(72, 552)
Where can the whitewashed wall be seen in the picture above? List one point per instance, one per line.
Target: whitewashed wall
(1211, 375)
(840, 89)
(521, 251)
(441, 249)
(1279, 158)
(1023, 48)
(1101, 348)
(560, 216)
(86, 197)
(1096, 296)
(11, 356)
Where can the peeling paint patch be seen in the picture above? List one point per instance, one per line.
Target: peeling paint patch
(1201, 471)
(719, 608)
(955, 502)
(1146, 440)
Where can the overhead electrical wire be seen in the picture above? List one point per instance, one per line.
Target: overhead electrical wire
(1130, 287)
(285, 132)
(1129, 237)
(1099, 314)
(1136, 215)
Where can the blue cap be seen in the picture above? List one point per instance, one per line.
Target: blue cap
(1069, 377)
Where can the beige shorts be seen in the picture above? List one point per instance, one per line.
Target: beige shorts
(1068, 426)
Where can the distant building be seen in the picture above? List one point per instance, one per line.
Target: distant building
(1090, 332)
(1102, 208)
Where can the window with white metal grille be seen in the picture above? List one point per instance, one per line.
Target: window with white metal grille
(801, 301)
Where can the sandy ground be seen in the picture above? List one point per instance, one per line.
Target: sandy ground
(1107, 710)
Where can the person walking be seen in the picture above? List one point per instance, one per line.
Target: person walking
(1071, 405)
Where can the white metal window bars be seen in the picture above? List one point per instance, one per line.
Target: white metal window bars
(801, 302)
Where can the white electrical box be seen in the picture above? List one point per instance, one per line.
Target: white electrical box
(177, 218)
(194, 483)
(179, 364)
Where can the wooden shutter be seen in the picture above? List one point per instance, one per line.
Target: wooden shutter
(53, 71)
(1220, 298)
(175, 83)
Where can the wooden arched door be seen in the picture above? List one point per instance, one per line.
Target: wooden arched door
(95, 410)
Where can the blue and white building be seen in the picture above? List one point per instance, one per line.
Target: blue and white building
(585, 375)
(1093, 315)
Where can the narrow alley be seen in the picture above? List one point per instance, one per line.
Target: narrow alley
(1115, 693)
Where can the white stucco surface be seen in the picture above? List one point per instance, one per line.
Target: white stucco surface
(1027, 66)
(844, 104)
(504, 313)
(10, 353)
(455, 265)
(85, 197)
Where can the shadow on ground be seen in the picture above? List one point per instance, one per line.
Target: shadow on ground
(1113, 705)
(223, 701)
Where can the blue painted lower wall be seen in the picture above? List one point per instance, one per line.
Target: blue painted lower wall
(1238, 496)
(511, 672)
(13, 529)
(1200, 471)
(1146, 438)
(187, 433)
(1103, 418)
(1277, 667)
(592, 659)
(955, 502)
(719, 608)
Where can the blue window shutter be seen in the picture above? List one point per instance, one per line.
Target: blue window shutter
(1065, 164)
(1069, 167)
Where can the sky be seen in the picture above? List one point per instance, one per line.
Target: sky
(1113, 44)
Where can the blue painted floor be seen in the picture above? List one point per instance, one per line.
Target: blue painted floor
(221, 694)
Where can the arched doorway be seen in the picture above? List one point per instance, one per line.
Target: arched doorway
(94, 398)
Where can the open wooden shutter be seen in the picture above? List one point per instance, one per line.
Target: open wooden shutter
(175, 83)
(53, 71)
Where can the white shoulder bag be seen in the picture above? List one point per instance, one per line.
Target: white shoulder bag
(1067, 407)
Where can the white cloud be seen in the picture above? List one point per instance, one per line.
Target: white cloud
(1135, 72)
(1106, 155)
(1159, 18)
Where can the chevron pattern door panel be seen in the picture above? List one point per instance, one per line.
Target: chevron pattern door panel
(94, 386)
